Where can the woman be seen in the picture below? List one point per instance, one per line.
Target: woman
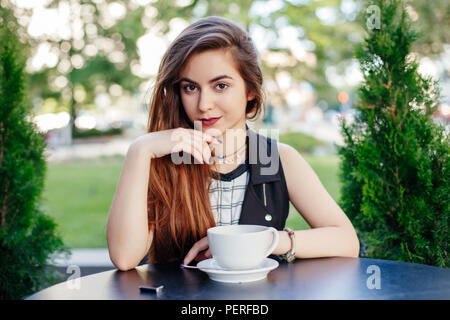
(200, 165)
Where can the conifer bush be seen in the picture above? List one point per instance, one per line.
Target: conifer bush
(27, 235)
(395, 159)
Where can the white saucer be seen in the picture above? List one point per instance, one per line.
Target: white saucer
(216, 273)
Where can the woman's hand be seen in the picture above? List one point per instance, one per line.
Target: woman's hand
(199, 251)
(160, 143)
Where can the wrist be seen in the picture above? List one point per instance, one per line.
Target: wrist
(289, 256)
(284, 243)
(142, 147)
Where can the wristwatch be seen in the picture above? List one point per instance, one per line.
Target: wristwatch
(290, 255)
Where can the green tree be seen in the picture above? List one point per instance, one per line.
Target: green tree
(27, 235)
(395, 168)
(97, 52)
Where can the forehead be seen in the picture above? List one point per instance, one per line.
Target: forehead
(206, 65)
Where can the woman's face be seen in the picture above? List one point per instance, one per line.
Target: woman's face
(212, 87)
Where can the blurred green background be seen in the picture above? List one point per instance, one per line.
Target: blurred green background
(91, 64)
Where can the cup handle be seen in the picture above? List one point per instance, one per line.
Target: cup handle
(275, 241)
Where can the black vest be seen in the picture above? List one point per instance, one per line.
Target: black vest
(266, 200)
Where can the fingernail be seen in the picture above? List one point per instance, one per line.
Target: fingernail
(220, 141)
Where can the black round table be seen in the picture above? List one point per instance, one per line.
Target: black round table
(333, 278)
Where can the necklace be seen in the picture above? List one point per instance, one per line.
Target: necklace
(221, 156)
(232, 160)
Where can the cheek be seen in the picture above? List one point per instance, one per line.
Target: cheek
(233, 103)
(188, 104)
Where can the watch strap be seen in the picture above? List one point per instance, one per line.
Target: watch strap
(290, 255)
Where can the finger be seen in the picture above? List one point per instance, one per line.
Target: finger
(215, 133)
(208, 136)
(201, 256)
(212, 148)
(189, 148)
(193, 150)
(194, 254)
(202, 145)
(190, 256)
(207, 152)
(200, 245)
(203, 136)
(204, 149)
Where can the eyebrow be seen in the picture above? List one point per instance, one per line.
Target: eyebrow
(224, 76)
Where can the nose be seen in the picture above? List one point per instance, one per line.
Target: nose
(206, 101)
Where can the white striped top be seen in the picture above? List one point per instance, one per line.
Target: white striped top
(227, 195)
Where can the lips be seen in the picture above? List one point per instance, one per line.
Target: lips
(210, 121)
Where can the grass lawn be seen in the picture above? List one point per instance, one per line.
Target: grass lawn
(78, 196)
(327, 169)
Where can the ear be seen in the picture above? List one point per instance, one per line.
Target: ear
(250, 96)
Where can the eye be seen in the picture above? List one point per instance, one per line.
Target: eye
(222, 85)
(188, 87)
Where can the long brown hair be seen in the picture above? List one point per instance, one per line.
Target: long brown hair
(179, 210)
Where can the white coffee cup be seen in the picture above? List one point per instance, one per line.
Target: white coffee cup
(243, 246)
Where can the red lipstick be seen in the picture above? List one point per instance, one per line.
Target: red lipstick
(210, 121)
